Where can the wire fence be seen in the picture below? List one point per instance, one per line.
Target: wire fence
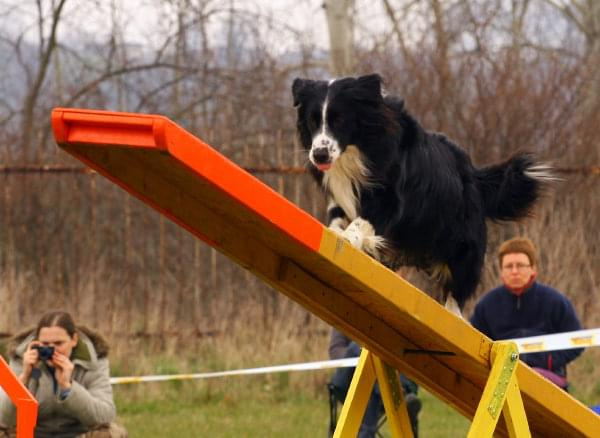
(59, 169)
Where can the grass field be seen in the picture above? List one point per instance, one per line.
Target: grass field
(249, 407)
(284, 404)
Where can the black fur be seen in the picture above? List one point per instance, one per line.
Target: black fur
(424, 195)
(335, 213)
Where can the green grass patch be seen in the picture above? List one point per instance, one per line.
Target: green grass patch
(250, 407)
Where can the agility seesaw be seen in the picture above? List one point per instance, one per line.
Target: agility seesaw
(400, 327)
(25, 403)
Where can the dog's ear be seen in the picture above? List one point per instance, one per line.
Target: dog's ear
(297, 87)
(371, 83)
(301, 89)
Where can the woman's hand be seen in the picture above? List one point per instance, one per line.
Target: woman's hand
(31, 358)
(64, 370)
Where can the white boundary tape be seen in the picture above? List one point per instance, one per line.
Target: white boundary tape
(559, 341)
(339, 363)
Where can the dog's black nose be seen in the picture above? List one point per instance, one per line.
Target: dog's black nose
(321, 155)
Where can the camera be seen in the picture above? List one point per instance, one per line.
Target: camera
(45, 351)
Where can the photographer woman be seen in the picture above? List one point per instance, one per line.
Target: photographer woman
(66, 368)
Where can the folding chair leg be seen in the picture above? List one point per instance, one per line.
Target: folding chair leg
(332, 410)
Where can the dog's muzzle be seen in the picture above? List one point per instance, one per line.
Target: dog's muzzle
(321, 158)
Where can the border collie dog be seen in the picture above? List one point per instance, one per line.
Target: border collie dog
(402, 194)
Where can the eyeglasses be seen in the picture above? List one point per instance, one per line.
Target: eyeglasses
(519, 266)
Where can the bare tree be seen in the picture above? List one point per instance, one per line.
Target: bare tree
(585, 16)
(36, 75)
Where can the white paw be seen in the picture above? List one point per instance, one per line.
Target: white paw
(353, 236)
(357, 231)
(452, 306)
(375, 246)
(338, 225)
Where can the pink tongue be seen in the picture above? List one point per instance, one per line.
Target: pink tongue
(323, 167)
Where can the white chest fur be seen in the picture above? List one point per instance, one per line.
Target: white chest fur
(345, 178)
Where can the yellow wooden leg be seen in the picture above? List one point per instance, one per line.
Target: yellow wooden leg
(393, 399)
(501, 395)
(514, 412)
(369, 369)
(357, 397)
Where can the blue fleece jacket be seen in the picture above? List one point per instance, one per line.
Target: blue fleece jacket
(500, 314)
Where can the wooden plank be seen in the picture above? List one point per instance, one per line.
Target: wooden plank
(25, 403)
(189, 182)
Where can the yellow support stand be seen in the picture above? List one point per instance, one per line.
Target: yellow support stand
(368, 370)
(501, 395)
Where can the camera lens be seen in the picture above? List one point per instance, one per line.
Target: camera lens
(45, 351)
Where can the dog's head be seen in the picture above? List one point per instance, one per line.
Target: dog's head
(333, 116)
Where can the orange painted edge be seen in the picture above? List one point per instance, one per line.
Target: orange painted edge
(121, 129)
(61, 134)
(243, 187)
(100, 128)
(26, 404)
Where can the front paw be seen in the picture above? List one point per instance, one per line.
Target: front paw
(376, 247)
(338, 226)
(356, 233)
(354, 237)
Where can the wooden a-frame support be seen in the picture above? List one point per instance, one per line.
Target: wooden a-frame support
(369, 369)
(500, 395)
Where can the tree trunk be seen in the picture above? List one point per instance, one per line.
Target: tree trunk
(45, 56)
(340, 21)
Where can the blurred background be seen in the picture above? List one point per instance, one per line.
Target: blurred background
(496, 76)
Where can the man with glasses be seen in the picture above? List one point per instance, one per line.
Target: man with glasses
(523, 307)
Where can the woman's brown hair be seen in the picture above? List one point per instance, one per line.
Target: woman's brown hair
(57, 318)
(519, 245)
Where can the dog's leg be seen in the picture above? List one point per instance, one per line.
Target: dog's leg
(465, 270)
(336, 218)
(452, 306)
(441, 273)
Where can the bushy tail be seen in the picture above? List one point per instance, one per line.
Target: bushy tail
(510, 189)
